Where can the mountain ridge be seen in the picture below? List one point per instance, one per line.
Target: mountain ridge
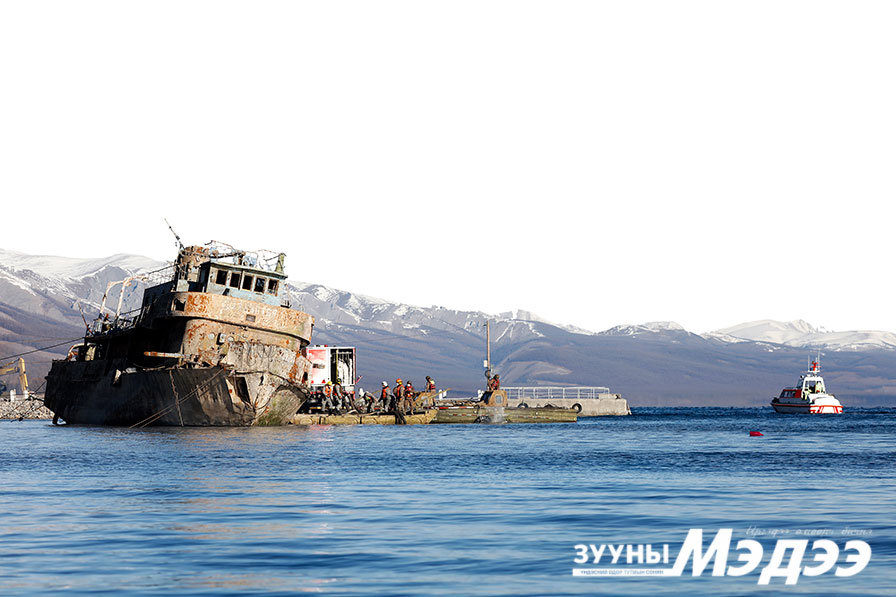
(649, 363)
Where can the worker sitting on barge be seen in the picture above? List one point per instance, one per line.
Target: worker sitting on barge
(494, 383)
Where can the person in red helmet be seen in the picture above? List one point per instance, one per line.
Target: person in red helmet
(397, 395)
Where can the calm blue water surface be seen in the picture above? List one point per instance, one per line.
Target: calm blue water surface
(434, 510)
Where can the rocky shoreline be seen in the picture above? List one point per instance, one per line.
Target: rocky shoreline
(24, 409)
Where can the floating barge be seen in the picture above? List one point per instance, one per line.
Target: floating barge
(493, 408)
(420, 418)
(587, 401)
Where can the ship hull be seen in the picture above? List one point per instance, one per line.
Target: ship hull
(82, 393)
(807, 408)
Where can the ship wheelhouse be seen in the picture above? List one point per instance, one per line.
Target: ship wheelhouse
(210, 297)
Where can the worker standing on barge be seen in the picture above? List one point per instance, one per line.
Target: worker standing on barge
(384, 397)
(339, 395)
(397, 395)
(409, 397)
(327, 405)
(430, 384)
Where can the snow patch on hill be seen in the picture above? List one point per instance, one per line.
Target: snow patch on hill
(524, 315)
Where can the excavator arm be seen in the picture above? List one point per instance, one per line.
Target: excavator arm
(17, 367)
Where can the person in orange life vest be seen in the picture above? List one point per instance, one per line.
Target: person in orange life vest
(328, 398)
(430, 384)
(398, 394)
(385, 394)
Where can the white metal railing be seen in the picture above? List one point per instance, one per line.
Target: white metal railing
(159, 276)
(555, 392)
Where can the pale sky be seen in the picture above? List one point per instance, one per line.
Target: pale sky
(597, 163)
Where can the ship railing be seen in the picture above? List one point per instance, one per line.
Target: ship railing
(127, 319)
(555, 392)
(263, 259)
(159, 276)
(123, 321)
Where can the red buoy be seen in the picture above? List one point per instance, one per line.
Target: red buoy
(755, 434)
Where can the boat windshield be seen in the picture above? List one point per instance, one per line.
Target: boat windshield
(814, 385)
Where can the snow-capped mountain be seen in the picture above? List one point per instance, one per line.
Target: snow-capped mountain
(42, 299)
(767, 330)
(799, 333)
(341, 310)
(652, 327)
(60, 288)
(73, 268)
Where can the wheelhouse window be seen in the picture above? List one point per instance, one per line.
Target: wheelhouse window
(272, 286)
(235, 280)
(221, 277)
(259, 284)
(247, 282)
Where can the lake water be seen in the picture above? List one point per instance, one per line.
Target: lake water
(438, 509)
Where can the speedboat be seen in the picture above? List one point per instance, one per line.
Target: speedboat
(808, 396)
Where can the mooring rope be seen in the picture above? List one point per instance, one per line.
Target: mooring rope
(21, 354)
(158, 415)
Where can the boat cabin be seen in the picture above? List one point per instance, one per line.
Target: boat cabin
(237, 274)
(808, 384)
(813, 384)
(175, 320)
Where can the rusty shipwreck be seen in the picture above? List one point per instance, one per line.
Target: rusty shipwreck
(213, 343)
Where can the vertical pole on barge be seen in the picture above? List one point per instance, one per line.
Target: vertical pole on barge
(488, 349)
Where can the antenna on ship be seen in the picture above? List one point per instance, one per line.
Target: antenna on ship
(83, 317)
(180, 245)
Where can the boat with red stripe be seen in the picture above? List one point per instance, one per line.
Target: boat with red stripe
(808, 396)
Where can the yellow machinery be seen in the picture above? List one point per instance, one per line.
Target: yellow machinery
(16, 367)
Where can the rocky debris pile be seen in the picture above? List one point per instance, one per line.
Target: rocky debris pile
(24, 409)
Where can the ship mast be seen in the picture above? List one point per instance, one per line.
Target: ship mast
(488, 350)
